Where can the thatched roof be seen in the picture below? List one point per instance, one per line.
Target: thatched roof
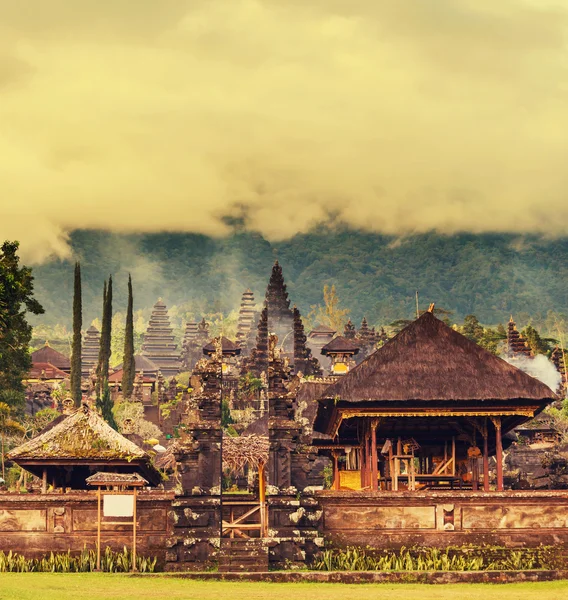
(340, 344)
(430, 361)
(81, 436)
(103, 478)
(245, 450)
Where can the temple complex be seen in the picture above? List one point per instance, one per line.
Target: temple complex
(159, 343)
(394, 442)
(90, 350)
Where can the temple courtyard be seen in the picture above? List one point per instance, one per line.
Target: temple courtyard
(51, 586)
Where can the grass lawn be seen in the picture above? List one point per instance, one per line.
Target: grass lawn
(55, 586)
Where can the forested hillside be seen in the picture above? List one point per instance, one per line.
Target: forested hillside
(377, 276)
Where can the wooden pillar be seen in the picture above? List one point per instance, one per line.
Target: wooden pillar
(336, 479)
(362, 463)
(485, 458)
(453, 455)
(369, 459)
(498, 452)
(474, 474)
(98, 528)
(134, 528)
(44, 481)
(374, 456)
(262, 501)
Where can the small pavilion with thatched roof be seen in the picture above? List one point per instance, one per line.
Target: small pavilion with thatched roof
(73, 447)
(425, 410)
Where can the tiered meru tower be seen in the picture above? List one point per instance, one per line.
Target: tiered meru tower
(90, 350)
(159, 345)
(247, 318)
(279, 313)
(278, 318)
(516, 343)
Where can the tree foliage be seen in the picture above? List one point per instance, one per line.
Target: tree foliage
(8, 426)
(486, 337)
(76, 348)
(105, 406)
(106, 337)
(16, 298)
(128, 364)
(330, 312)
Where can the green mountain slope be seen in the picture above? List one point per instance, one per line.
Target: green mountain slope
(377, 276)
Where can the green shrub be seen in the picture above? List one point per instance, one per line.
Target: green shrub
(85, 562)
(466, 558)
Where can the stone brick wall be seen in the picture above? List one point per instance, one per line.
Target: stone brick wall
(36, 524)
(440, 519)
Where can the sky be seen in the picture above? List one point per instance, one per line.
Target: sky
(394, 116)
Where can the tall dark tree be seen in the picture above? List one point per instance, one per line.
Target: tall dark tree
(101, 346)
(105, 405)
(76, 348)
(128, 364)
(106, 337)
(16, 297)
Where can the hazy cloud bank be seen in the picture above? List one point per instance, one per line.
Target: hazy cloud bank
(391, 116)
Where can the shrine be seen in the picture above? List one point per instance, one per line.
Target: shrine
(427, 410)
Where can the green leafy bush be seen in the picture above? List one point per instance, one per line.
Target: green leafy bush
(435, 559)
(85, 562)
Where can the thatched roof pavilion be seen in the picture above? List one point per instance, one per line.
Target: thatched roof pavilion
(431, 384)
(75, 446)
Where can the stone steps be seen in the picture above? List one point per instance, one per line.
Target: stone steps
(243, 555)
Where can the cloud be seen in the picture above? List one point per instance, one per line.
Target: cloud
(390, 116)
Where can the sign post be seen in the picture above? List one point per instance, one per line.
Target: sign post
(118, 500)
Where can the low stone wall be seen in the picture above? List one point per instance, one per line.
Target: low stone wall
(445, 518)
(184, 531)
(36, 524)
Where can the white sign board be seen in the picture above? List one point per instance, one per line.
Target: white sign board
(118, 505)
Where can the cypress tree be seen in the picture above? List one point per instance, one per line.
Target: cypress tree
(106, 334)
(128, 364)
(76, 348)
(102, 345)
(105, 406)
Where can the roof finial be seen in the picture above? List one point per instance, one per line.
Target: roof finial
(46, 343)
(431, 307)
